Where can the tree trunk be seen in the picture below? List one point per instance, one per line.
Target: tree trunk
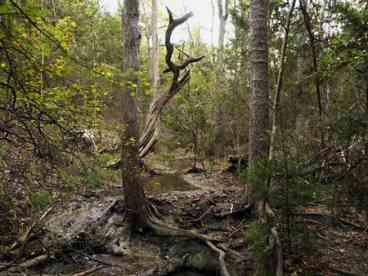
(180, 76)
(220, 133)
(130, 168)
(259, 103)
(271, 262)
(155, 50)
(155, 67)
(212, 21)
(223, 15)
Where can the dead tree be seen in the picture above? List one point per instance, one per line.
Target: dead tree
(180, 76)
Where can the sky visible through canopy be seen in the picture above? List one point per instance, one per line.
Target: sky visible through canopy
(202, 18)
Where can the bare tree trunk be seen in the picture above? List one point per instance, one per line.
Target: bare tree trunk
(155, 69)
(259, 114)
(271, 263)
(213, 9)
(223, 10)
(130, 168)
(155, 50)
(223, 16)
(180, 76)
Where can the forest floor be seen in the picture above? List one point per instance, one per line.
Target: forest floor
(326, 242)
(206, 202)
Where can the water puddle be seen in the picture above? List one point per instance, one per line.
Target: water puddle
(167, 183)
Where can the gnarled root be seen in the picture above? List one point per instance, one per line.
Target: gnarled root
(161, 228)
(224, 271)
(164, 229)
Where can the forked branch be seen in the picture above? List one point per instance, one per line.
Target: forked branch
(180, 76)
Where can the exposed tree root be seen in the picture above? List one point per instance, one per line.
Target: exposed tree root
(224, 271)
(275, 241)
(150, 272)
(161, 228)
(164, 229)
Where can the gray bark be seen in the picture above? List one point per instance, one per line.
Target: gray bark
(155, 70)
(133, 189)
(223, 16)
(212, 21)
(180, 76)
(223, 10)
(155, 50)
(259, 103)
(258, 133)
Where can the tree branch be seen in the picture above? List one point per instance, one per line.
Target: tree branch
(181, 76)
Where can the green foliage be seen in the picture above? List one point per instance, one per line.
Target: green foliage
(349, 125)
(258, 176)
(189, 114)
(258, 238)
(8, 218)
(40, 199)
(3, 151)
(90, 176)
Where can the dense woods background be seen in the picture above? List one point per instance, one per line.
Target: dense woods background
(66, 76)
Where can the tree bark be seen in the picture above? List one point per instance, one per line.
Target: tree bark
(155, 69)
(155, 50)
(271, 262)
(223, 15)
(259, 103)
(180, 76)
(130, 167)
(223, 10)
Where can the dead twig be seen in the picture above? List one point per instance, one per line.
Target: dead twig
(149, 272)
(22, 240)
(89, 271)
(343, 272)
(233, 211)
(28, 263)
(203, 215)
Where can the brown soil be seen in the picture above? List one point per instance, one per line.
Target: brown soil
(324, 246)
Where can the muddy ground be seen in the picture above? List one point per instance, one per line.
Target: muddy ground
(88, 235)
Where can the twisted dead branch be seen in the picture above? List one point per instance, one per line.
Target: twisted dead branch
(180, 76)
